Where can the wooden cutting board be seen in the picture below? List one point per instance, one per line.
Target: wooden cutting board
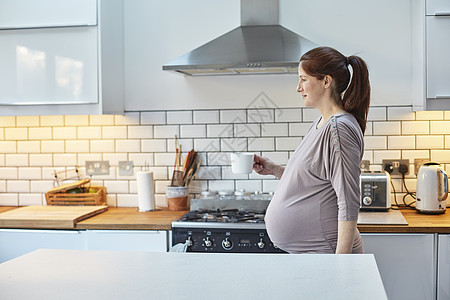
(54, 217)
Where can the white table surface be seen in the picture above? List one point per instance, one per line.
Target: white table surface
(83, 274)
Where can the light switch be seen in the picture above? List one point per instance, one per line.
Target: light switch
(125, 168)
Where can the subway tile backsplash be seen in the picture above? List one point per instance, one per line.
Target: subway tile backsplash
(32, 148)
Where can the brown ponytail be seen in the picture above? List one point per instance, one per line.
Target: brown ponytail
(356, 98)
(322, 61)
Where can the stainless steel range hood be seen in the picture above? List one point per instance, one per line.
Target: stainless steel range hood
(259, 46)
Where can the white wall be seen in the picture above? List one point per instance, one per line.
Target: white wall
(379, 31)
(159, 31)
(33, 147)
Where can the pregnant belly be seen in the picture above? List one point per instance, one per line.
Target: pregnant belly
(304, 227)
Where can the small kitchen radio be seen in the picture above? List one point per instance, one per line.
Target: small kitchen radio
(375, 191)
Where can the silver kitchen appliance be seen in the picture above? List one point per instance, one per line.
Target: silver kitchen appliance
(259, 46)
(375, 191)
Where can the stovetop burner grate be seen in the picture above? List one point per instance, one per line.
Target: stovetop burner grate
(224, 216)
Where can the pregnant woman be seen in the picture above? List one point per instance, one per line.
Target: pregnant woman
(316, 204)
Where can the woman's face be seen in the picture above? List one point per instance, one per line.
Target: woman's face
(311, 88)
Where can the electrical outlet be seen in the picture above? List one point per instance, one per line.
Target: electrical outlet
(125, 168)
(365, 165)
(394, 165)
(97, 167)
(418, 162)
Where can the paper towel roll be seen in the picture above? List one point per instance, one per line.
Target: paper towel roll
(145, 191)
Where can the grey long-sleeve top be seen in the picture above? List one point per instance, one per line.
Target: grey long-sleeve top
(319, 186)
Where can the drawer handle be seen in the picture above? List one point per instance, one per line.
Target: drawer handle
(442, 97)
(44, 26)
(50, 231)
(106, 231)
(442, 14)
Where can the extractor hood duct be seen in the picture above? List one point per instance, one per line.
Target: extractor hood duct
(259, 46)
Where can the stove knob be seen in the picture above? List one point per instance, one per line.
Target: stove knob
(208, 242)
(367, 200)
(227, 244)
(189, 241)
(261, 244)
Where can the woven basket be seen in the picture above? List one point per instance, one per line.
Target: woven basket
(58, 198)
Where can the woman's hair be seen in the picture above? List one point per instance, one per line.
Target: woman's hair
(323, 61)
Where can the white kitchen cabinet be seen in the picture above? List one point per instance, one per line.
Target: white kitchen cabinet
(17, 242)
(437, 50)
(443, 289)
(72, 68)
(49, 66)
(407, 263)
(127, 240)
(431, 45)
(47, 13)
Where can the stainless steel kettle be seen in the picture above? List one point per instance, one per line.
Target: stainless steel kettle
(432, 189)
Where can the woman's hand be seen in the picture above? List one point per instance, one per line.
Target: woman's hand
(265, 166)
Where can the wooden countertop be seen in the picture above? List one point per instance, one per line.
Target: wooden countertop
(417, 223)
(130, 218)
(6, 208)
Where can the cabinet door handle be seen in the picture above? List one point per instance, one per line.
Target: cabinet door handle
(442, 97)
(44, 26)
(442, 14)
(112, 231)
(50, 231)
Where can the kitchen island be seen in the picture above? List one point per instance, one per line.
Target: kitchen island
(83, 274)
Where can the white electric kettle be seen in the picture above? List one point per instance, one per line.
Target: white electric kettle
(432, 189)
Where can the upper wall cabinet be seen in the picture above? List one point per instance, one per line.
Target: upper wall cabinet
(438, 49)
(20, 14)
(61, 57)
(54, 65)
(432, 46)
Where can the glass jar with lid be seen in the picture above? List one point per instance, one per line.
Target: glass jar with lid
(257, 195)
(208, 195)
(226, 195)
(242, 195)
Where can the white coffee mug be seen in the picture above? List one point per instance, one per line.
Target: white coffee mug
(241, 163)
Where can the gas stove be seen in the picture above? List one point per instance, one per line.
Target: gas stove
(226, 218)
(224, 226)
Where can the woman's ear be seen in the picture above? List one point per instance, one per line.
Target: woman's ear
(327, 81)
